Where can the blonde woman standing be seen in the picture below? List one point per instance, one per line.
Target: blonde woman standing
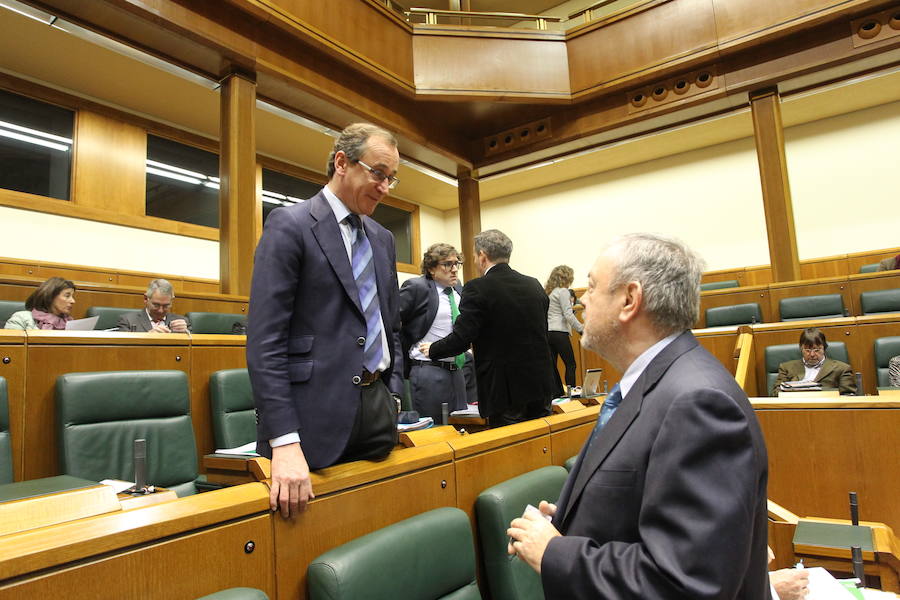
(560, 321)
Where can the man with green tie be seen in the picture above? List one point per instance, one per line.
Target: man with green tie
(428, 307)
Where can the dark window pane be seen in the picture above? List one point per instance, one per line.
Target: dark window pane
(398, 222)
(280, 190)
(35, 146)
(182, 182)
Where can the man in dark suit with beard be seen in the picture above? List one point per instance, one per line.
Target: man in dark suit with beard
(503, 315)
(668, 496)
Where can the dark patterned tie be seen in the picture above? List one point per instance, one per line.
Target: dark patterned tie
(610, 404)
(459, 359)
(364, 274)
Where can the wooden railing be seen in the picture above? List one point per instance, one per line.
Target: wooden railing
(431, 16)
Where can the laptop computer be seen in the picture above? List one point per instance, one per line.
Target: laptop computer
(591, 387)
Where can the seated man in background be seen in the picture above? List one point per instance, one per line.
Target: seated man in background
(155, 317)
(894, 371)
(815, 366)
(889, 264)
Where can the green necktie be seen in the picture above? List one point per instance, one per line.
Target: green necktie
(460, 359)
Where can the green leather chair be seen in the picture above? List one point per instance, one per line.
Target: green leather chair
(719, 285)
(870, 268)
(885, 349)
(109, 315)
(570, 463)
(7, 308)
(826, 306)
(736, 314)
(6, 464)
(208, 322)
(233, 414)
(238, 593)
(513, 579)
(880, 301)
(775, 355)
(426, 557)
(101, 414)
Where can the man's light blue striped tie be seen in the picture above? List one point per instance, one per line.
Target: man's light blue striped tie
(364, 273)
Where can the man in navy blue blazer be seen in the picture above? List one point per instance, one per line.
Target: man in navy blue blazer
(323, 344)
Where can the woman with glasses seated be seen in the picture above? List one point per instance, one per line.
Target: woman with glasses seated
(560, 322)
(814, 366)
(48, 307)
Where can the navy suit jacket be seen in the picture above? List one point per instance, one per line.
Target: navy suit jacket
(670, 499)
(306, 329)
(418, 308)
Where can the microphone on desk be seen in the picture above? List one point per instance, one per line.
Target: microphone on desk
(854, 509)
(859, 384)
(858, 571)
(445, 413)
(140, 469)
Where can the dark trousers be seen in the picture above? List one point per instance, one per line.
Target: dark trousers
(561, 345)
(374, 432)
(432, 385)
(517, 414)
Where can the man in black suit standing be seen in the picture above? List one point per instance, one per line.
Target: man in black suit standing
(428, 308)
(503, 315)
(668, 496)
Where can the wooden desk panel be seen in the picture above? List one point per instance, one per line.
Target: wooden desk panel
(869, 282)
(13, 367)
(52, 354)
(731, 296)
(210, 353)
(797, 289)
(720, 344)
(818, 455)
(569, 432)
(869, 329)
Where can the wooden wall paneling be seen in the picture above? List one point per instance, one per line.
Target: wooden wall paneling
(142, 281)
(827, 266)
(724, 275)
(532, 66)
(19, 288)
(568, 432)
(843, 449)
(760, 275)
(211, 353)
(732, 296)
(633, 47)
(835, 330)
(857, 259)
(202, 287)
(870, 282)
(776, 190)
(720, 345)
(13, 368)
(53, 353)
(869, 329)
(11, 267)
(372, 496)
(76, 275)
(797, 289)
(109, 164)
(469, 220)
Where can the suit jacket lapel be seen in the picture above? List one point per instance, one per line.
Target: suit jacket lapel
(826, 369)
(145, 320)
(328, 235)
(431, 306)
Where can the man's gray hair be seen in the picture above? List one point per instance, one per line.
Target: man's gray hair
(352, 142)
(162, 286)
(669, 273)
(495, 244)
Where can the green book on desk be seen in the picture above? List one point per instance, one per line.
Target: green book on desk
(834, 535)
(41, 487)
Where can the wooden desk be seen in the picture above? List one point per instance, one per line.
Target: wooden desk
(568, 432)
(210, 353)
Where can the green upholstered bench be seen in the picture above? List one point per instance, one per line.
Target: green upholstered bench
(880, 301)
(6, 464)
(427, 557)
(869, 268)
(775, 355)
(825, 306)
(736, 314)
(570, 463)
(885, 348)
(101, 414)
(7, 308)
(719, 285)
(209, 322)
(233, 414)
(496, 507)
(109, 315)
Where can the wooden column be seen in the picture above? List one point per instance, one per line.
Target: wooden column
(240, 207)
(469, 219)
(776, 190)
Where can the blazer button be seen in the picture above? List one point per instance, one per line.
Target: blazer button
(356, 379)
(360, 341)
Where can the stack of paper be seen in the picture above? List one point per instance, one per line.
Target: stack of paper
(423, 423)
(801, 386)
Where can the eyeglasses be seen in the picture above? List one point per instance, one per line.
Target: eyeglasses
(449, 264)
(813, 350)
(378, 176)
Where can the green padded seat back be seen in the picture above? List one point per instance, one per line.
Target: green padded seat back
(101, 414)
(719, 285)
(885, 349)
(825, 306)
(570, 463)
(239, 593)
(7, 308)
(775, 355)
(736, 314)
(233, 415)
(426, 557)
(6, 470)
(880, 301)
(495, 508)
(870, 268)
(109, 315)
(209, 322)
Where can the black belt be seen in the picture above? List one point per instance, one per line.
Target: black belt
(369, 378)
(450, 366)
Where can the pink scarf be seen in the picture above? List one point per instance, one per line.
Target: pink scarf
(46, 320)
